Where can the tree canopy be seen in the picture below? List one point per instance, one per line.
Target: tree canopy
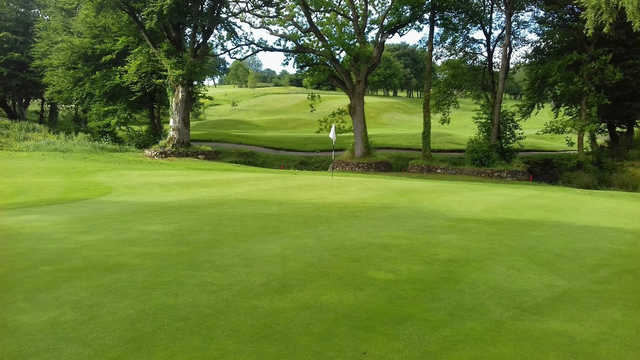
(343, 39)
(20, 82)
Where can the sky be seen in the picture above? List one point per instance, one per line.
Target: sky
(273, 61)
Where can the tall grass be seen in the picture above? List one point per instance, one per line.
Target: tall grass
(31, 137)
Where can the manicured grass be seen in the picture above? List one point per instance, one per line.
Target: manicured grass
(117, 256)
(280, 118)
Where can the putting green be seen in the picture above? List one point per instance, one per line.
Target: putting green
(280, 118)
(117, 256)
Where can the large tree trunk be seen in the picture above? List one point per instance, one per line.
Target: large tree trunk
(614, 137)
(21, 111)
(42, 110)
(53, 115)
(593, 140)
(630, 134)
(582, 125)
(8, 109)
(155, 123)
(428, 82)
(356, 110)
(180, 122)
(502, 77)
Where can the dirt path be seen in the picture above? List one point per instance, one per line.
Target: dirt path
(266, 150)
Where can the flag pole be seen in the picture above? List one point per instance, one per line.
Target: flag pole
(332, 136)
(333, 156)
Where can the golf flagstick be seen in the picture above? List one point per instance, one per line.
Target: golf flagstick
(332, 136)
(333, 157)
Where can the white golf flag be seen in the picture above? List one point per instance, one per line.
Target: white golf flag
(332, 134)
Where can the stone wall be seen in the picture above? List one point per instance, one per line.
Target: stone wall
(376, 166)
(488, 173)
(167, 153)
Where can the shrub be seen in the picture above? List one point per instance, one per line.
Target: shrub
(480, 153)
(625, 180)
(511, 133)
(141, 139)
(580, 179)
(550, 168)
(105, 132)
(339, 118)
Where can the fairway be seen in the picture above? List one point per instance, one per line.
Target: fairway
(116, 256)
(280, 118)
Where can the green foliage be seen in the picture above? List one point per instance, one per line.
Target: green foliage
(339, 117)
(626, 180)
(92, 61)
(313, 99)
(454, 79)
(238, 74)
(20, 82)
(511, 134)
(480, 153)
(140, 139)
(598, 172)
(550, 169)
(389, 75)
(30, 137)
(252, 81)
(604, 13)
(344, 40)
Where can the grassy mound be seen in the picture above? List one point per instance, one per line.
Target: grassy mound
(280, 118)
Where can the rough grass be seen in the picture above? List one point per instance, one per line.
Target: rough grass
(31, 137)
(280, 118)
(117, 256)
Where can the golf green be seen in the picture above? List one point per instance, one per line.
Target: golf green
(114, 256)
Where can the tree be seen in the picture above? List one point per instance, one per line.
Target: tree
(510, 9)
(182, 34)
(238, 74)
(93, 61)
(441, 14)
(428, 82)
(487, 32)
(388, 76)
(253, 63)
(252, 81)
(588, 79)
(217, 68)
(411, 59)
(604, 13)
(345, 39)
(20, 82)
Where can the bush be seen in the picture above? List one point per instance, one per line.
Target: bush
(549, 169)
(26, 136)
(580, 179)
(141, 139)
(511, 133)
(626, 180)
(339, 118)
(480, 153)
(105, 132)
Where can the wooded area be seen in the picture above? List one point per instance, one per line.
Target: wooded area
(109, 64)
